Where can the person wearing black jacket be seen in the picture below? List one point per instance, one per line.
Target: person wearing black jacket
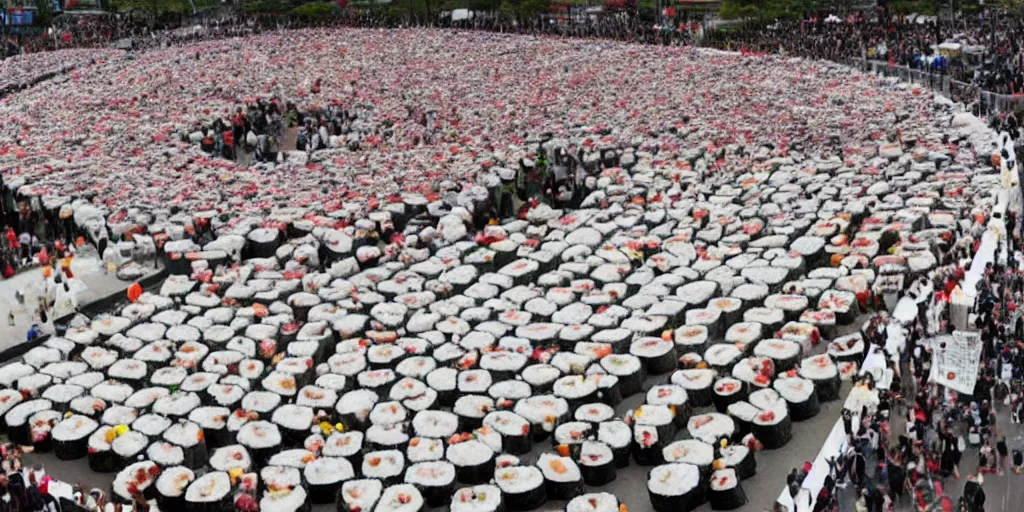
(974, 494)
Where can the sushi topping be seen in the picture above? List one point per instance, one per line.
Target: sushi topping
(766, 416)
(404, 498)
(558, 467)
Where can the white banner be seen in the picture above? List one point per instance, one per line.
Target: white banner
(955, 361)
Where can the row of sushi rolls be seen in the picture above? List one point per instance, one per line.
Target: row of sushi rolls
(485, 372)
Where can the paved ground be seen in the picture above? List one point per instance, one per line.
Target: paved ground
(88, 273)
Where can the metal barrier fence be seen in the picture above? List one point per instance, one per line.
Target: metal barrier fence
(982, 102)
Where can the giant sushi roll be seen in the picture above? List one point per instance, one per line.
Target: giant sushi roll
(192, 440)
(771, 319)
(742, 414)
(618, 436)
(628, 369)
(658, 355)
(773, 428)
(101, 455)
(293, 422)
(801, 396)
(730, 307)
(261, 438)
(653, 429)
(129, 448)
(594, 502)
(728, 391)
(698, 385)
(755, 372)
(214, 422)
(711, 427)
(675, 487)
(262, 243)
(743, 334)
(693, 452)
(283, 490)
(785, 354)
(543, 412)
(849, 348)
(325, 475)
(400, 498)
(139, 477)
(675, 397)
(359, 495)
(562, 476)
(522, 487)
(722, 357)
(354, 408)
(479, 498)
(165, 454)
(710, 318)
(691, 338)
(725, 491)
(435, 480)
(597, 463)
(824, 374)
(387, 466)
(171, 486)
(541, 377)
(471, 410)
(571, 435)
(576, 390)
(473, 461)
(740, 458)
(594, 413)
(17, 419)
(71, 437)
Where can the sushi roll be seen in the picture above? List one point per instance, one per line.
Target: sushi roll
(800, 395)
(562, 477)
(849, 348)
(400, 498)
(740, 458)
(693, 452)
(728, 391)
(673, 396)
(785, 354)
(325, 476)
(165, 454)
(129, 447)
(653, 428)
(192, 440)
(515, 433)
(576, 390)
(711, 427)
(444, 381)
(824, 374)
(473, 460)
(359, 495)
(471, 410)
(479, 498)
(691, 338)
(722, 357)
(710, 318)
(544, 412)
(744, 334)
(522, 487)
(541, 377)
(283, 490)
(424, 449)
(171, 486)
(698, 385)
(388, 436)
(725, 491)
(435, 424)
(8, 399)
(594, 502)
(628, 369)
(261, 438)
(386, 466)
(594, 413)
(618, 436)
(597, 463)
(17, 418)
(675, 487)
(658, 355)
(756, 372)
(214, 422)
(435, 480)
(61, 395)
(136, 478)
(40, 426)
(209, 493)
(570, 435)
(293, 422)
(507, 392)
(101, 455)
(742, 414)
(354, 408)
(71, 437)
(771, 319)
(731, 309)
(773, 428)
(231, 457)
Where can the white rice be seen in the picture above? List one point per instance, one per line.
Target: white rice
(710, 427)
(383, 464)
(128, 475)
(358, 403)
(594, 502)
(184, 433)
(674, 479)
(261, 401)
(230, 457)
(695, 379)
(209, 488)
(473, 406)
(176, 404)
(361, 495)
(567, 470)
(480, 498)
(165, 454)
(151, 425)
(518, 480)
(259, 434)
(328, 470)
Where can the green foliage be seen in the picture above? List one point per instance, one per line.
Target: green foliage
(152, 7)
(313, 11)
